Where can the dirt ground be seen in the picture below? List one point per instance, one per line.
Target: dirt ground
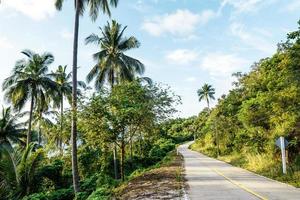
(166, 182)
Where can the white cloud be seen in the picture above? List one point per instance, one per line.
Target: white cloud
(220, 64)
(181, 23)
(242, 6)
(254, 39)
(66, 34)
(293, 6)
(35, 9)
(182, 56)
(5, 43)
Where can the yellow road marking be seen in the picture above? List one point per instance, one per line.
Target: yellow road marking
(240, 185)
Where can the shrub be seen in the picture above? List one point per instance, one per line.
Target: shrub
(82, 195)
(102, 193)
(161, 148)
(36, 196)
(62, 194)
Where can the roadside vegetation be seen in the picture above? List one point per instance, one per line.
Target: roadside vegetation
(264, 105)
(162, 181)
(61, 139)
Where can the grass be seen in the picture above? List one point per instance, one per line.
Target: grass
(262, 164)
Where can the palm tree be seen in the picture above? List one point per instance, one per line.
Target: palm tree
(64, 84)
(62, 78)
(113, 65)
(207, 92)
(41, 121)
(95, 6)
(10, 130)
(18, 170)
(42, 108)
(29, 80)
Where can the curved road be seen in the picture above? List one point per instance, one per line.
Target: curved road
(209, 178)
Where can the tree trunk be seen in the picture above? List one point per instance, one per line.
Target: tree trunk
(131, 149)
(207, 103)
(61, 124)
(30, 120)
(122, 159)
(140, 141)
(75, 172)
(115, 145)
(40, 131)
(115, 161)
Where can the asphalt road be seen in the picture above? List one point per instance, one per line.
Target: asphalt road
(208, 178)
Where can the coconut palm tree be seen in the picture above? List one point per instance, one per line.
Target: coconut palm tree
(18, 170)
(64, 84)
(62, 78)
(207, 92)
(94, 7)
(11, 131)
(29, 81)
(41, 121)
(113, 65)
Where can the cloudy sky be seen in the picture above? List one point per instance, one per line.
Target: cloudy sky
(185, 43)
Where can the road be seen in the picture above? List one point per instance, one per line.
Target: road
(209, 178)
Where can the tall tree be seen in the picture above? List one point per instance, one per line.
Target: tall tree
(95, 6)
(62, 78)
(207, 92)
(42, 107)
(113, 65)
(29, 80)
(64, 84)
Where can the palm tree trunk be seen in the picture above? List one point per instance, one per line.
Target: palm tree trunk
(75, 172)
(30, 120)
(207, 103)
(131, 149)
(122, 159)
(115, 161)
(40, 131)
(115, 145)
(61, 123)
(140, 140)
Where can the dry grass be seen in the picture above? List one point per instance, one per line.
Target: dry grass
(165, 182)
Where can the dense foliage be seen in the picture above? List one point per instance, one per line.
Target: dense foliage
(132, 116)
(263, 106)
(120, 129)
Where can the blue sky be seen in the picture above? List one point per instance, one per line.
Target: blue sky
(184, 43)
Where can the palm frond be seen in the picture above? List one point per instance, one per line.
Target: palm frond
(93, 38)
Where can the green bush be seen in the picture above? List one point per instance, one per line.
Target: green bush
(161, 148)
(36, 196)
(104, 179)
(89, 184)
(62, 194)
(53, 176)
(82, 195)
(102, 193)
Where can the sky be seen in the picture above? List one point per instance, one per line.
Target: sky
(184, 43)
